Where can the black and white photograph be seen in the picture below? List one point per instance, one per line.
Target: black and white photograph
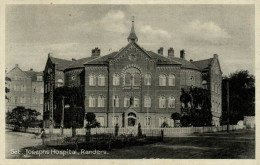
(129, 81)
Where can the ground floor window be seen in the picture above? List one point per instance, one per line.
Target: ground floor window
(101, 120)
(116, 121)
(147, 121)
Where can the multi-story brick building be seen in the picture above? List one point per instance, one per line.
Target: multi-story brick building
(132, 85)
(26, 89)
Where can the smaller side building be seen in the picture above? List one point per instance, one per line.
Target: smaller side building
(26, 89)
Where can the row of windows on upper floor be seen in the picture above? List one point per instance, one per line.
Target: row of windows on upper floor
(23, 99)
(135, 101)
(23, 88)
(38, 78)
(131, 80)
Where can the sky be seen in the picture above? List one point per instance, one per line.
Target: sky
(72, 31)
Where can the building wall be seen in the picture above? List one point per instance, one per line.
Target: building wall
(143, 65)
(216, 90)
(22, 91)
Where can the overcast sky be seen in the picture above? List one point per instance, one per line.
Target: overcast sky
(71, 31)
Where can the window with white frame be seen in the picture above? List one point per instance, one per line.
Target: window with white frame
(92, 80)
(101, 80)
(137, 79)
(171, 80)
(126, 101)
(171, 102)
(101, 101)
(147, 79)
(128, 79)
(147, 121)
(116, 120)
(162, 80)
(136, 102)
(101, 120)
(161, 121)
(116, 101)
(39, 78)
(170, 122)
(147, 101)
(92, 101)
(116, 79)
(162, 102)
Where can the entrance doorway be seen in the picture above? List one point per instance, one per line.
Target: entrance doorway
(131, 119)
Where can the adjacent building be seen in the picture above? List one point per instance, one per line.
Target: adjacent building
(26, 89)
(133, 85)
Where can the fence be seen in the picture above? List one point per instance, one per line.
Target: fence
(125, 131)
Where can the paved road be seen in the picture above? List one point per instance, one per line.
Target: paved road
(17, 140)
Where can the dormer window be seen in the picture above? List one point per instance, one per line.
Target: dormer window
(39, 78)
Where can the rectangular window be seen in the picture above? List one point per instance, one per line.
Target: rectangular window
(126, 102)
(116, 120)
(39, 78)
(147, 121)
(101, 120)
(116, 101)
(136, 102)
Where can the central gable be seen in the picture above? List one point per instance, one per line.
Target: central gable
(132, 51)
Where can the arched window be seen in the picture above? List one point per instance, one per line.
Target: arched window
(162, 80)
(136, 102)
(147, 79)
(137, 79)
(128, 79)
(162, 102)
(147, 101)
(171, 80)
(116, 79)
(92, 80)
(116, 101)
(126, 101)
(101, 80)
(101, 101)
(147, 121)
(171, 103)
(92, 101)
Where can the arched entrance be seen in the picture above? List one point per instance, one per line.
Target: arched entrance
(131, 118)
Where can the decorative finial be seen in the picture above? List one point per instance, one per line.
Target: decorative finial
(132, 36)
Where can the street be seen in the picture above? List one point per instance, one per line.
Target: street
(221, 145)
(15, 141)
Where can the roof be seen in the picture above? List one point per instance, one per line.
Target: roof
(101, 59)
(62, 63)
(185, 63)
(161, 59)
(80, 62)
(33, 75)
(203, 64)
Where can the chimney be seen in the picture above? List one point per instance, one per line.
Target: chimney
(73, 59)
(182, 54)
(215, 56)
(160, 51)
(95, 52)
(191, 60)
(170, 52)
(31, 69)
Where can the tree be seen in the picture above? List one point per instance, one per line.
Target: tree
(176, 116)
(185, 120)
(92, 122)
(22, 117)
(74, 97)
(242, 96)
(197, 106)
